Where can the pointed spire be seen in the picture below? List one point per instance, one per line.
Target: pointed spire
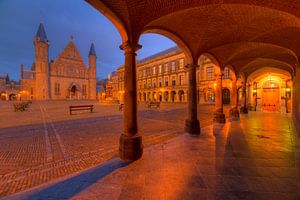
(41, 34)
(92, 50)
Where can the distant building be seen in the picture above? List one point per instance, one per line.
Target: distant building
(67, 77)
(163, 77)
(9, 90)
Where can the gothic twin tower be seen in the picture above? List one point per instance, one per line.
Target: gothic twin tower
(67, 77)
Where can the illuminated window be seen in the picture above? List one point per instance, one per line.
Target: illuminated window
(159, 82)
(154, 83)
(173, 66)
(181, 63)
(210, 73)
(210, 95)
(166, 81)
(226, 74)
(173, 81)
(160, 69)
(181, 80)
(166, 67)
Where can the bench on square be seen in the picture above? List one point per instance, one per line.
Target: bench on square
(153, 104)
(81, 107)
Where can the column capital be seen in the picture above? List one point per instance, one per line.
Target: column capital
(130, 47)
(189, 66)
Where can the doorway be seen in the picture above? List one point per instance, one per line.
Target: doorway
(270, 96)
(226, 96)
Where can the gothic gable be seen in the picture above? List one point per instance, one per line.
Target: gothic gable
(69, 63)
(71, 52)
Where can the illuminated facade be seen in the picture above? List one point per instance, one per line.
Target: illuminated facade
(163, 77)
(9, 90)
(67, 77)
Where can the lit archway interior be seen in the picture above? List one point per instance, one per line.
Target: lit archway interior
(270, 90)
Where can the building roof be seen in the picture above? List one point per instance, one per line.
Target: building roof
(3, 76)
(174, 49)
(92, 50)
(41, 34)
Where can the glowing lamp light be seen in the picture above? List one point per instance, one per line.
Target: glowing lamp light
(288, 89)
(254, 91)
(215, 85)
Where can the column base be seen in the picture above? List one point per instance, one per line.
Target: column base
(219, 117)
(234, 113)
(131, 148)
(192, 127)
(244, 110)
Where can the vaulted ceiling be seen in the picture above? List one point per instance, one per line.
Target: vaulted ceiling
(246, 34)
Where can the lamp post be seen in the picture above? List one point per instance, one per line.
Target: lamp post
(255, 95)
(287, 95)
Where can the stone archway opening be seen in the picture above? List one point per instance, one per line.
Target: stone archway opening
(3, 96)
(12, 97)
(270, 90)
(173, 96)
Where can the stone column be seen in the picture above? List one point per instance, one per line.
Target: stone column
(244, 109)
(234, 112)
(219, 116)
(250, 94)
(192, 124)
(131, 147)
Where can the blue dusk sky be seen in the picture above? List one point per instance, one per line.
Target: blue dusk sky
(19, 21)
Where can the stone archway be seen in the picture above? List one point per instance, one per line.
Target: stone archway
(180, 19)
(173, 96)
(12, 97)
(3, 96)
(74, 91)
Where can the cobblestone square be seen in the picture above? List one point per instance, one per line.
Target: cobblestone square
(46, 142)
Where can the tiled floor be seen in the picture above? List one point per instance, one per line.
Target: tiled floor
(254, 158)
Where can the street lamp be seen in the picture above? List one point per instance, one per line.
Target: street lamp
(255, 95)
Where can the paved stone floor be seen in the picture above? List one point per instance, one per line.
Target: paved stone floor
(254, 158)
(46, 142)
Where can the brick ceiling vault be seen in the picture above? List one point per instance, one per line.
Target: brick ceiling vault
(242, 33)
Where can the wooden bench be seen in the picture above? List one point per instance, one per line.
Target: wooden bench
(121, 106)
(81, 107)
(154, 104)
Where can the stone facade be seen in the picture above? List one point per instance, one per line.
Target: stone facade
(163, 77)
(9, 90)
(67, 77)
